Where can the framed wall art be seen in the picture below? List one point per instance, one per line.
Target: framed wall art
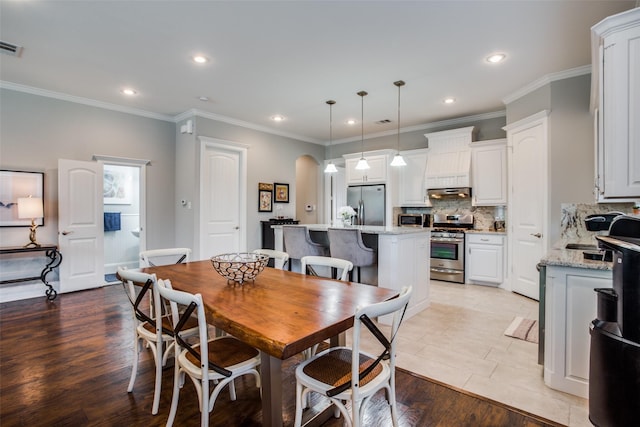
(281, 192)
(265, 197)
(117, 185)
(14, 185)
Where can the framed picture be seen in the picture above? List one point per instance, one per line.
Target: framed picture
(265, 197)
(14, 185)
(117, 185)
(281, 192)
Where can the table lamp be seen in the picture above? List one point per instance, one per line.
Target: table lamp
(31, 207)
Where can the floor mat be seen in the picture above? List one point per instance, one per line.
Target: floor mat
(110, 278)
(524, 329)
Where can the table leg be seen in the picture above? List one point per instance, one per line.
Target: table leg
(271, 376)
(56, 258)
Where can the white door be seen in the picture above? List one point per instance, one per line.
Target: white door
(528, 202)
(80, 225)
(222, 198)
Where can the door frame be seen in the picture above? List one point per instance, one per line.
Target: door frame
(142, 164)
(241, 149)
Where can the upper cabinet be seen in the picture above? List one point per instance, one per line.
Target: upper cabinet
(616, 102)
(489, 172)
(411, 183)
(376, 174)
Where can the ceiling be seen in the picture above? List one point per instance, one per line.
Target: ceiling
(288, 58)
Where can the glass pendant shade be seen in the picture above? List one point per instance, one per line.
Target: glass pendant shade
(397, 159)
(331, 168)
(362, 164)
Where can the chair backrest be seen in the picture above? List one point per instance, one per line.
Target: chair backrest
(325, 261)
(154, 257)
(183, 304)
(279, 258)
(346, 243)
(132, 279)
(298, 243)
(397, 306)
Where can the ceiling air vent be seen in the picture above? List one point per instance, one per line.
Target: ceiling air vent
(10, 49)
(383, 122)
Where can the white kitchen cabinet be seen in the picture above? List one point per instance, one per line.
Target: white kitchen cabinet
(449, 158)
(489, 173)
(403, 260)
(412, 189)
(484, 261)
(570, 306)
(376, 174)
(616, 103)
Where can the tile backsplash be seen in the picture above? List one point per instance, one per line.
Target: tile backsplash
(572, 226)
(483, 215)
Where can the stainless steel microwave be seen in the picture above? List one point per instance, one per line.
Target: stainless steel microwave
(414, 220)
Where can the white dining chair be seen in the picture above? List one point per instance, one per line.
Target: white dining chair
(342, 265)
(155, 257)
(344, 374)
(280, 258)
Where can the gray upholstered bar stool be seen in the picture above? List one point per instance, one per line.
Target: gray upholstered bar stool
(298, 243)
(346, 243)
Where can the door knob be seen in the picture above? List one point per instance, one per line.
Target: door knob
(538, 235)
(237, 228)
(64, 233)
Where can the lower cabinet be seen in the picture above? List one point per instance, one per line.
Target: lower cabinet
(484, 261)
(570, 306)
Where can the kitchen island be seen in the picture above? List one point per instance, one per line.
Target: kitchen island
(403, 258)
(569, 307)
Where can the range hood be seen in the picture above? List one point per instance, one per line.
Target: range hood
(449, 193)
(448, 170)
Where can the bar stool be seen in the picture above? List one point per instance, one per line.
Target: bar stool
(346, 243)
(298, 243)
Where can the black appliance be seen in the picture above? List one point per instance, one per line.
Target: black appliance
(614, 365)
(268, 235)
(414, 220)
(447, 246)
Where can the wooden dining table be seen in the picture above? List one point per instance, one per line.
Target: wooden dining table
(281, 313)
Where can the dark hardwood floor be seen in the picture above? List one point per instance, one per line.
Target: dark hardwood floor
(67, 363)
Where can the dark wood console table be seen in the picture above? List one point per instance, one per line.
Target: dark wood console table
(55, 257)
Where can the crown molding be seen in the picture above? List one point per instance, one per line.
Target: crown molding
(427, 126)
(84, 101)
(543, 81)
(241, 123)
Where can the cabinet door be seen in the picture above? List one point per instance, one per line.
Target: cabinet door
(489, 171)
(377, 172)
(412, 183)
(484, 263)
(620, 115)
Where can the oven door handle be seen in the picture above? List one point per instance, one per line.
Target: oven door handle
(447, 239)
(445, 270)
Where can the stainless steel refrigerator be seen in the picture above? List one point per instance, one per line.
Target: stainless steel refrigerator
(369, 203)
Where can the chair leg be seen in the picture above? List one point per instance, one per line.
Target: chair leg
(299, 398)
(134, 368)
(158, 384)
(176, 394)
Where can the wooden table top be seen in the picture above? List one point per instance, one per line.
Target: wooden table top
(282, 313)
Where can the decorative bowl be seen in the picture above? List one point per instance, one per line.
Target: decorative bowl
(239, 267)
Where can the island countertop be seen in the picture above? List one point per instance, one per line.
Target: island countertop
(560, 256)
(369, 229)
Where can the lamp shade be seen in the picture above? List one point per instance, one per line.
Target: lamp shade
(30, 207)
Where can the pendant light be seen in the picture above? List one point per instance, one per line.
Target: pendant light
(331, 168)
(397, 159)
(362, 163)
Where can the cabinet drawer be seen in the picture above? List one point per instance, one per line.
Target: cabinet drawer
(485, 239)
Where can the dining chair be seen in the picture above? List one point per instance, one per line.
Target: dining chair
(346, 243)
(226, 358)
(344, 374)
(280, 258)
(308, 262)
(155, 257)
(298, 243)
(155, 330)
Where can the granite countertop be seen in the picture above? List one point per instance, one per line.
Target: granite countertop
(486, 231)
(370, 229)
(559, 256)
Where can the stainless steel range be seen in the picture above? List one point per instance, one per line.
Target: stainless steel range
(447, 246)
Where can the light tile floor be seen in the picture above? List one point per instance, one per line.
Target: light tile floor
(459, 340)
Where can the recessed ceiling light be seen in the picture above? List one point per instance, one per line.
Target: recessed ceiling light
(129, 92)
(449, 100)
(277, 118)
(200, 59)
(494, 58)
(351, 122)
(203, 98)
